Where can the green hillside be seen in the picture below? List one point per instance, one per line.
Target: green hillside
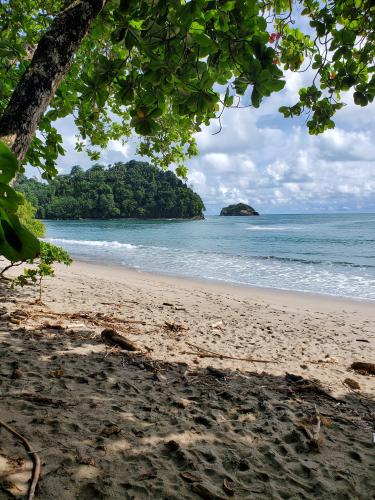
(124, 190)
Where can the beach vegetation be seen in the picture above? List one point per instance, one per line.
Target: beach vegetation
(41, 267)
(26, 214)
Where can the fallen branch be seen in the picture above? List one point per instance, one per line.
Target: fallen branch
(35, 457)
(211, 354)
(111, 336)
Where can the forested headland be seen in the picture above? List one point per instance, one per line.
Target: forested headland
(124, 190)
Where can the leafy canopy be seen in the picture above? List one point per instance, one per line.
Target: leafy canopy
(164, 68)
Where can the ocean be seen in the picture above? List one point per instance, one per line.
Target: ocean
(330, 254)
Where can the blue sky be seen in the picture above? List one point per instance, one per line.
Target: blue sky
(270, 162)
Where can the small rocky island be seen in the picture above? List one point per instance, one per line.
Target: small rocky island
(239, 209)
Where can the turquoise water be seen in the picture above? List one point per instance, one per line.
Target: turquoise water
(329, 254)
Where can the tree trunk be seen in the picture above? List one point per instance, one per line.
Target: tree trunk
(49, 65)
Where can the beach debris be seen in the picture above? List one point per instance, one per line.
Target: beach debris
(174, 327)
(205, 353)
(218, 324)
(362, 340)
(312, 431)
(98, 319)
(190, 477)
(172, 445)
(56, 373)
(353, 384)
(13, 320)
(17, 372)
(34, 455)
(52, 326)
(327, 359)
(228, 486)
(205, 492)
(110, 336)
(73, 326)
(84, 459)
(363, 368)
(168, 304)
(325, 421)
(109, 430)
(151, 474)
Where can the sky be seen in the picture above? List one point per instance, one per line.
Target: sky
(270, 162)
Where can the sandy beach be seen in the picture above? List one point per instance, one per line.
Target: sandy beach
(222, 397)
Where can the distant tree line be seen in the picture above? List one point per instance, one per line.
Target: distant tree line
(124, 190)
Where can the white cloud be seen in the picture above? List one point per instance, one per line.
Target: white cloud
(273, 163)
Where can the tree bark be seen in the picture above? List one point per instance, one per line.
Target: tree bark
(49, 65)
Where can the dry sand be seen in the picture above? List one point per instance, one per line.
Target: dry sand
(114, 424)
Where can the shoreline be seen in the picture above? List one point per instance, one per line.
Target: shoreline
(232, 285)
(310, 336)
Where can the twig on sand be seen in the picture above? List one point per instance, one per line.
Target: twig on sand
(313, 435)
(35, 458)
(93, 319)
(204, 353)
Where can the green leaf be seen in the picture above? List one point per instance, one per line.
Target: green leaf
(228, 99)
(228, 6)
(196, 27)
(202, 39)
(124, 5)
(347, 36)
(9, 198)
(276, 85)
(255, 97)
(8, 163)
(118, 35)
(360, 99)
(16, 242)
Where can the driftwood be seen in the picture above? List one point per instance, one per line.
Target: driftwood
(363, 368)
(112, 337)
(35, 458)
(204, 353)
